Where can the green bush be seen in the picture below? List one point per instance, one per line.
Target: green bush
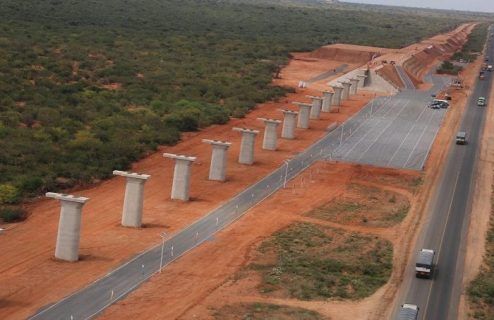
(8, 194)
(12, 214)
(83, 94)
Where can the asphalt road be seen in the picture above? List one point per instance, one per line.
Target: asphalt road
(445, 231)
(407, 82)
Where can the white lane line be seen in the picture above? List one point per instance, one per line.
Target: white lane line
(432, 140)
(417, 143)
(391, 120)
(408, 133)
(442, 238)
(360, 126)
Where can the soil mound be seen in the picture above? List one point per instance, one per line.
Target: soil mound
(347, 53)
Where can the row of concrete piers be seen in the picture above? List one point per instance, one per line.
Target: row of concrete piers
(67, 245)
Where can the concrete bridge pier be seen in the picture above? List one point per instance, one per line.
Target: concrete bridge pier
(246, 155)
(219, 159)
(346, 90)
(361, 80)
(326, 101)
(315, 111)
(134, 198)
(181, 176)
(270, 135)
(354, 86)
(69, 226)
(289, 124)
(303, 115)
(336, 101)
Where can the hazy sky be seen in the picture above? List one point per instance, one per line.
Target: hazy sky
(470, 5)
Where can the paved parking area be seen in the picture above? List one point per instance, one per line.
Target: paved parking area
(395, 131)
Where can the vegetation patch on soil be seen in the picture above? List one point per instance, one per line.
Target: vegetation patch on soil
(264, 311)
(312, 262)
(410, 181)
(481, 289)
(364, 205)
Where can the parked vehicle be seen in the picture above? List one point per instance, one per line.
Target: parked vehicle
(481, 101)
(408, 312)
(461, 137)
(437, 103)
(481, 75)
(489, 67)
(424, 265)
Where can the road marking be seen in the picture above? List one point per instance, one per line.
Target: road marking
(442, 239)
(361, 124)
(417, 143)
(391, 120)
(404, 139)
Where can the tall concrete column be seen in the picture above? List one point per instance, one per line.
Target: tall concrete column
(326, 101)
(246, 155)
(270, 135)
(69, 226)
(361, 80)
(315, 111)
(346, 90)
(289, 124)
(303, 114)
(353, 88)
(181, 176)
(337, 95)
(219, 159)
(134, 198)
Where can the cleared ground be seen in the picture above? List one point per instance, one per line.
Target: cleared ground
(395, 131)
(27, 265)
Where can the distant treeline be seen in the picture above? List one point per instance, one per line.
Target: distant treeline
(91, 86)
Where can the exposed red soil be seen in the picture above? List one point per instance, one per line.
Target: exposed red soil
(348, 53)
(27, 267)
(163, 297)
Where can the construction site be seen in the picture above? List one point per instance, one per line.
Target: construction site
(351, 156)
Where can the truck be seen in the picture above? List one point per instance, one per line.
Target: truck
(425, 263)
(489, 68)
(481, 75)
(461, 137)
(408, 312)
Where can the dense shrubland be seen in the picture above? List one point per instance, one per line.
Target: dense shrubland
(91, 86)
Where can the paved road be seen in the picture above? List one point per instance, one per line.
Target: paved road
(407, 82)
(327, 74)
(445, 232)
(399, 134)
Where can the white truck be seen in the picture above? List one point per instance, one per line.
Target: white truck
(408, 312)
(424, 265)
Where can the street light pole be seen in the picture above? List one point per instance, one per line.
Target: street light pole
(163, 236)
(286, 172)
